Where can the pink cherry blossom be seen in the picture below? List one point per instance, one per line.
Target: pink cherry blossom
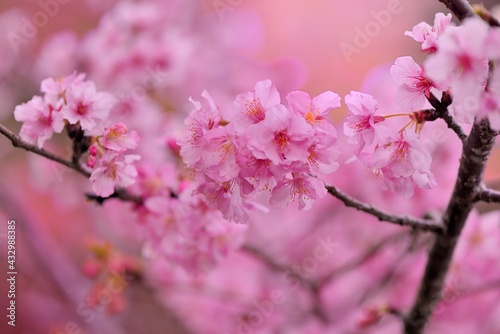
(360, 125)
(56, 89)
(302, 188)
(403, 162)
(414, 88)
(323, 155)
(461, 63)
(251, 107)
(315, 110)
(260, 173)
(226, 197)
(117, 138)
(427, 35)
(219, 154)
(40, 120)
(113, 170)
(282, 137)
(86, 106)
(202, 119)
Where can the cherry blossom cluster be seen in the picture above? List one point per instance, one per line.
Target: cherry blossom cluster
(458, 64)
(261, 145)
(398, 157)
(75, 104)
(111, 166)
(456, 70)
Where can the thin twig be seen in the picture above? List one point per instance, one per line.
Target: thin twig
(443, 113)
(403, 220)
(461, 8)
(486, 15)
(120, 193)
(313, 287)
(489, 195)
(17, 142)
(365, 257)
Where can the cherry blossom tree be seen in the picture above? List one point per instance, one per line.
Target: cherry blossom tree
(248, 207)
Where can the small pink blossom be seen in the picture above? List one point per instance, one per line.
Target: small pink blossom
(201, 120)
(414, 87)
(85, 105)
(322, 156)
(113, 170)
(282, 137)
(40, 120)
(226, 197)
(427, 35)
(91, 161)
(260, 173)
(403, 162)
(93, 150)
(461, 63)
(360, 125)
(219, 154)
(56, 89)
(315, 110)
(117, 138)
(251, 107)
(301, 188)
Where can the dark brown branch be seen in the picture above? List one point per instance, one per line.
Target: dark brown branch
(486, 15)
(443, 113)
(489, 195)
(81, 143)
(120, 193)
(403, 220)
(17, 142)
(461, 8)
(475, 154)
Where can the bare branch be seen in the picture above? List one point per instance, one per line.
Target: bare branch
(489, 195)
(443, 113)
(461, 8)
(486, 15)
(403, 220)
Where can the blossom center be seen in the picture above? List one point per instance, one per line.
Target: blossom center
(111, 170)
(311, 115)
(255, 110)
(82, 109)
(281, 139)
